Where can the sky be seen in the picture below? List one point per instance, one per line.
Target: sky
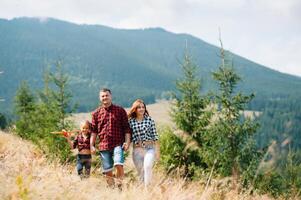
(267, 32)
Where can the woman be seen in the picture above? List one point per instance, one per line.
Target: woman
(145, 140)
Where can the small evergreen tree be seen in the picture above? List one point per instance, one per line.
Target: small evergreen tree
(53, 110)
(37, 119)
(189, 115)
(62, 97)
(3, 121)
(228, 141)
(24, 107)
(188, 108)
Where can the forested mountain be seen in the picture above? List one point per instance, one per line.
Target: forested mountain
(140, 63)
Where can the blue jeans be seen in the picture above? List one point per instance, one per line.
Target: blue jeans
(83, 161)
(111, 158)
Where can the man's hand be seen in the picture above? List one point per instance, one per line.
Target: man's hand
(93, 150)
(126, 146)
(92, 143)
(127, 143)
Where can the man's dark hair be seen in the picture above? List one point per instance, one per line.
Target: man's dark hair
(106, 90)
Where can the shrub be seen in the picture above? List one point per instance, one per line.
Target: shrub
(3, 121)
(176, 156)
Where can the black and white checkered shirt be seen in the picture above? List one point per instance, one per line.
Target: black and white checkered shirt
(144, 130)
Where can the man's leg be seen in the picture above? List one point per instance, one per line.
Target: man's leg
(107, 166)
(120, 172)
(109, 178)
(118, 163)
(119, 176)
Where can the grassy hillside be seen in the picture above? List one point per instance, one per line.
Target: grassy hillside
(26, 174)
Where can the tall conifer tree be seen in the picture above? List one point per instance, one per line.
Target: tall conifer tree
(229, 141)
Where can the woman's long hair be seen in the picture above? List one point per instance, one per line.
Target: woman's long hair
(132, 112)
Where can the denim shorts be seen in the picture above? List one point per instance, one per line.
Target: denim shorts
(111, 158)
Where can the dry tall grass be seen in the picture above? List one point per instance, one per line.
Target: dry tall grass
(25, 173)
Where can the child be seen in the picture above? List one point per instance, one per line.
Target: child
(82, 143)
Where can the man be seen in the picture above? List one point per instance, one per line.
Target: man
(110, 124)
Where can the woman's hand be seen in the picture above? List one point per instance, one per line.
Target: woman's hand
(126, 146)
(157, 153)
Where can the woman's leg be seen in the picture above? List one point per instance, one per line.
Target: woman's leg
(138, 159)
(149, 159)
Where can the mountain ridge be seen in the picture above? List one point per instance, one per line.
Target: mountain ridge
(136, 63)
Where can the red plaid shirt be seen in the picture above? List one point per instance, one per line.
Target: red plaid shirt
(81, 143)
(111, 125)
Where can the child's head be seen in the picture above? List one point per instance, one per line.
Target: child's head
(86, 127)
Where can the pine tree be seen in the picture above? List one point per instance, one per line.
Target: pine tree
(53, 110)
(24, 108)
(3, 121)
(189, 105)
(188, 112)
(37, 119)
(61, 96)
(228, 142)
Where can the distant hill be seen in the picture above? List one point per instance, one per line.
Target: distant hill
(133, 63)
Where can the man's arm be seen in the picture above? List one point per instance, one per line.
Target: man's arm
(126, 144)
(92, 142)
(94, 132)
(127, 130)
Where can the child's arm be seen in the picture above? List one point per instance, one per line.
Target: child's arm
(71, 143)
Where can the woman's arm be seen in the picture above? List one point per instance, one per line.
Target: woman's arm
(156, 137)
(157, 148)
(154, 130)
